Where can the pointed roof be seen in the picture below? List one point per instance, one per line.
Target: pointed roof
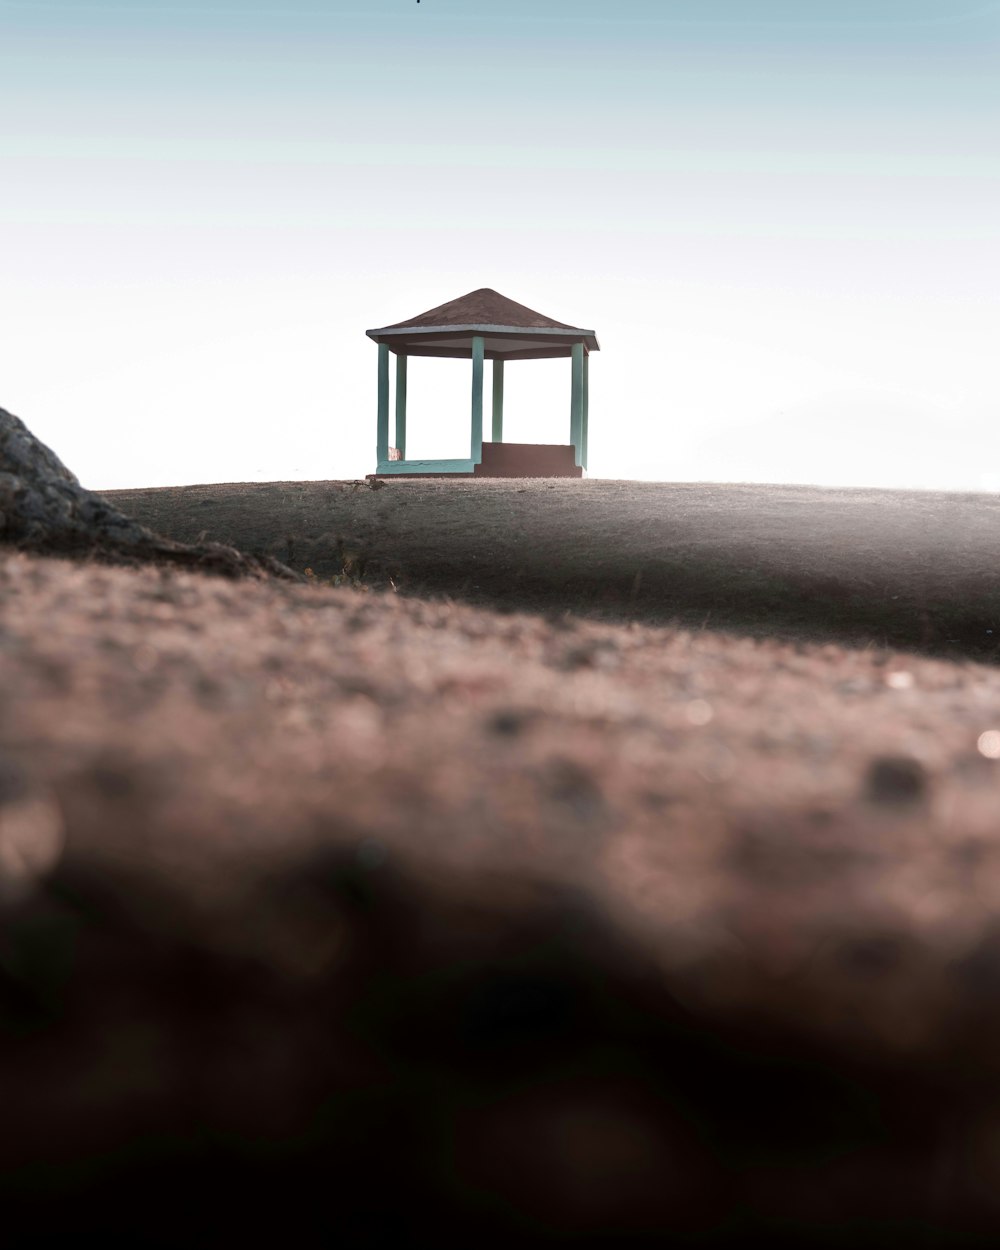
(512, 330)
(484, 307)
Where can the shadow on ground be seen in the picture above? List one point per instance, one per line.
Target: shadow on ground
(907, 570)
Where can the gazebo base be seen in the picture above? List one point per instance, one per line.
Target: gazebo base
(499, 460)
(409, 477)
(528, 460)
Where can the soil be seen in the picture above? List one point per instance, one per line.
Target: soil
(348, 915)
(913, 570)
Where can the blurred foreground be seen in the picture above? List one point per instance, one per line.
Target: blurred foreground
(330, 917)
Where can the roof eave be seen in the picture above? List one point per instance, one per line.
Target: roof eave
(552, 332)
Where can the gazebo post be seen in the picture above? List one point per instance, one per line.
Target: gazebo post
(576, 403)
(401, 405)
(498, 400)
(382, 446)
(478, 353)
(586, 405)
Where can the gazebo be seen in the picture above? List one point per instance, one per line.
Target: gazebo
(485, 325)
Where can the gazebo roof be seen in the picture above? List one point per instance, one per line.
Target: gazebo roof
(511, 331)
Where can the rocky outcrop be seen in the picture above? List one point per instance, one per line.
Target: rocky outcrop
(43, 508)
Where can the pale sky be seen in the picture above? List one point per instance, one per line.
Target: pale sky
(781, 217)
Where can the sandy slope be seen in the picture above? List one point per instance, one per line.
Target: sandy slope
(459, 928)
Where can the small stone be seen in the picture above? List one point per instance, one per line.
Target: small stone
(896, 779)
(509, 722)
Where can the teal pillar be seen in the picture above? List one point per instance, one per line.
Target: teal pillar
(382, 445)
(401, 405)
(576, 403)
(498, 401)
(478, 353)
(586, 405)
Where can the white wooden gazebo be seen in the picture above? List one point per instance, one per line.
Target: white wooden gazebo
(484, 325)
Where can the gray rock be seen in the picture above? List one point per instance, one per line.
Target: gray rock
(43, 508)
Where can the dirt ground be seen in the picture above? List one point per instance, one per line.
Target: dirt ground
(338, 915)
(912, 570)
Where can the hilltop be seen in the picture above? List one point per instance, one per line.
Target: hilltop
(913, 570)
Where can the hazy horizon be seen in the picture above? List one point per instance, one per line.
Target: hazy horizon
(781, 218)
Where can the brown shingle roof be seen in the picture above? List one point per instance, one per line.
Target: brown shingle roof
(482, 307)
